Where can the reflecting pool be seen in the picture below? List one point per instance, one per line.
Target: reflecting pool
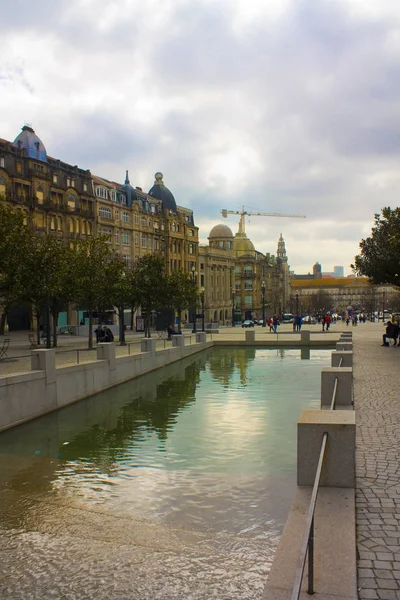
(173, 486)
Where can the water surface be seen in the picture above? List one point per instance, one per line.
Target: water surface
(173, 486)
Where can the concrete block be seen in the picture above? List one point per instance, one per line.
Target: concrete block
(305, 338)
(339, 465)
(201, 337)
(344, 345)
(347, 357)
(148, 345)
(250, 336)
(178, 341)
(107, 352)
(344, 388)
(45, 360)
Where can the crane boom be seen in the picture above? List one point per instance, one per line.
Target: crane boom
(225, 212)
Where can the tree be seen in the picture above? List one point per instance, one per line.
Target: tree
(182, 293)
(380, 254)
(15, 242)
(321, 302)
(150, 284)
(95, 272)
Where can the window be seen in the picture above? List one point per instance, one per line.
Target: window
(89, 228)
(248, 300)
(71, 202)
(144, 240)
(2, 186)
(105, 212)
(113, 196)
(191, 248)
(125, 217)
(126, 238)
(143, 222)
(83, 227)
(150, 243)
(71, 226)
(126, 258)
(19, 167)
(73, 183)
(68, 182)
(101, 192)
(85, 187)
(123, 199)
(237, 286)
(238, 271)
(156, 225)
(53, 223)
(108, 232)
(38, 168)
(162, 226)
(136, 219)
(117, 237)
(191, 232)
(136, 239)
(39, 194)
(156, 245)
(117, 215)
(1, 162)
(149, 223)
(248, 284)
(55, 178)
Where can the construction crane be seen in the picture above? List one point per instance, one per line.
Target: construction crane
(225, 212)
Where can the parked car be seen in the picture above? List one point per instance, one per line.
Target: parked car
(247, 324)
(258, 321)
(288, 318)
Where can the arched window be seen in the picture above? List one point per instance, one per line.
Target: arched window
(89, 228)
(2, 186)
(53, 223)
(71, 226)
(59, 224)
(83, 227)
(39, 194)
(71, 202)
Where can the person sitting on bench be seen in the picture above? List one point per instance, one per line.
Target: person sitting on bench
(392, 332)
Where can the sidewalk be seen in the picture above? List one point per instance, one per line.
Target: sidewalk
(376, 398)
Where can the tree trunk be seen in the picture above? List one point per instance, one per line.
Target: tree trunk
(147, 322)
(132, 313)
(37, 315)
(55, 325)
(48, 332)
(3, 321)
(179, 321)
(90, 345)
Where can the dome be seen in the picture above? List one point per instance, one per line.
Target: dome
(242, 246)
(129, 190)
(162, 193)
(220, 232)
(29, 141)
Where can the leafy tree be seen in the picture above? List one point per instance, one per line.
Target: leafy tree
(150, 284)
(322, 301)
(182, 293)
(96, 273)
(15, 242)
(380, 253)
(52, 284)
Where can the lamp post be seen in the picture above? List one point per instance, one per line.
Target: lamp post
(263, 302)
(202, 290)
(297, 305)
(233, 308)
(383, 306)
(193, 275)
(122, 341)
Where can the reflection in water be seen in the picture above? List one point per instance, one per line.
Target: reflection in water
(175, 485)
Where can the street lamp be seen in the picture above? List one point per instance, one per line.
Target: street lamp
(122, 341)
(263, 302)
(202, 290)
(383, 306)
(233, 308)
(297, 304)
(193, 275)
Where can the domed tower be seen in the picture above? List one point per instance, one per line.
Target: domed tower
(242, 246)
(29, 141)
(221, 237)
(161, 192)
(129, 190)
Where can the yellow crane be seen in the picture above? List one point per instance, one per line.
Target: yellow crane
(225, 212)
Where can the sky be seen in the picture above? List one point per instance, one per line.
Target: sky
(280, 106)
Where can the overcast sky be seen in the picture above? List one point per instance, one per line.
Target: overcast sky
(288, 106)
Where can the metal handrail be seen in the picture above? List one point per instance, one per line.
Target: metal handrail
(335, 388)
(307, 544)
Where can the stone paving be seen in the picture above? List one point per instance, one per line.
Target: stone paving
(377, 403)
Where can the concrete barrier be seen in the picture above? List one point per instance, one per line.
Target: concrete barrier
(178, 341)
(344, 355)
(305, 338)
(148, 345)
(344, 388)
(250, 337)
(347, 334)
(339, 464)
(201, 337)
(344, 345)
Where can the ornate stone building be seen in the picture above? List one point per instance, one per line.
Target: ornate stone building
(232, 273)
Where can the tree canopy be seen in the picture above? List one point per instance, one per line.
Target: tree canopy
(379, 258)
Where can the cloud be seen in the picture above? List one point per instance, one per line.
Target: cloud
(281, 106)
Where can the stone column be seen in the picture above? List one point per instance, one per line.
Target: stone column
(44, 360)
(344, 388)
(107, 352)
(250, 336)
(201, 337)
(148, 345)
(305, 338)
(339, 465)
(178, 341)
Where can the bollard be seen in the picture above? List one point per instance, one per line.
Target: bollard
(107, 352)
(343, 354)
(148, 345)
(344, 388)
(305, 338)
(250, 337)
(201, 337)
(344, 345)
(339, 465)
(178, 341)
(44, 360)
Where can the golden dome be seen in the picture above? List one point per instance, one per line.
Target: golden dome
(242, 246)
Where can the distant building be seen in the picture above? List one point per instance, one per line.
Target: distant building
(338, 271)
(317, 271)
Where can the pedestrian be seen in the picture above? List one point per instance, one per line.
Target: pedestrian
(327, 321)
(99, 333)
(108, 335)
(275, 323)
(323, 323)
(271, 324)
(299, 322)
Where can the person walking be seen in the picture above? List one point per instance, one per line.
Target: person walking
(271, 324)
(98, 333)
(275, 323)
